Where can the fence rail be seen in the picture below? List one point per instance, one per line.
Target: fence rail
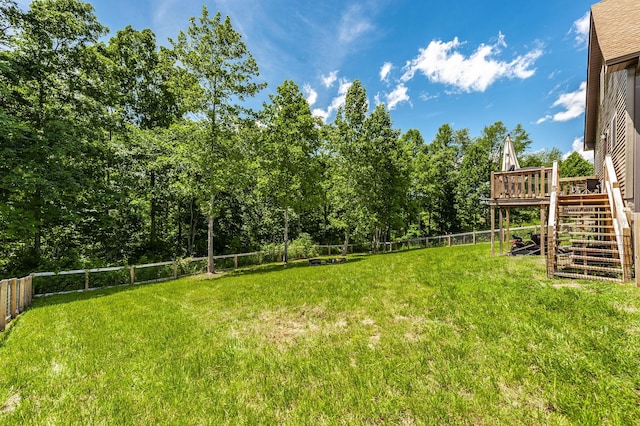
(80, 280)
(15, 297)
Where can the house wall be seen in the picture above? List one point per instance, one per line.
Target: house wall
(616, 125)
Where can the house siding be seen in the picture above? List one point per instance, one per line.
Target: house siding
(615, 123)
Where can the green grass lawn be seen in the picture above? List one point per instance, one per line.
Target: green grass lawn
(446, 335)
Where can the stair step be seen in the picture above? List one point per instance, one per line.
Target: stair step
(585, 225)
(582, 197)
(593, 268)
(594, 234)
(594, 250)
(590, 203)
(615, 260)
(590, 215)
(586, 277)
(603, 243)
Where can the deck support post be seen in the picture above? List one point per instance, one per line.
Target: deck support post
(501, 220)
(543, 219)
(636, 245)
(493, 230)
(506, 236)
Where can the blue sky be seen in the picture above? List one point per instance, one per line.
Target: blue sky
(468, 63)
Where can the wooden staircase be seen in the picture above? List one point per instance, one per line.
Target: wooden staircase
(588, 234)
(586, 245)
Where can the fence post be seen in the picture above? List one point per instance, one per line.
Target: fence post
(175, 269)
(474, 238)
(260, 258)
(235, 262)
(86, 279)
(30, 289)
(449, 240)
(20, 295)
(3, 304)
(13, 307)
(132, 274)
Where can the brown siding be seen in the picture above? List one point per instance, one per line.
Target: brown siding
(612, 123)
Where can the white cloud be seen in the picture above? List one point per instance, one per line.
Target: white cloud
(321, 113)
(425, 96)
(353, 24)
(385, 70)
(578, 146)
(312, 95)
(329, 79)
(397, 96)
(573, 104)
(580, 29)
(545, 118)
(441, 62)
(337, 101)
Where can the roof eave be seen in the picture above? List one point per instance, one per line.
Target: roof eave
(594, 66)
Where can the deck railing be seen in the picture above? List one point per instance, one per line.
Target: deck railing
(552, 229)
(619, 215)
(578, 185)
(526, 183)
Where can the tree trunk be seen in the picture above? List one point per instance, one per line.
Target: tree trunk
(346, 243)
(210, 266)
(191, 240)
(179, 251)
(37, 238)
(285, 257)
(153, 213)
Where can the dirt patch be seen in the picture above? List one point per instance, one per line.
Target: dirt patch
(11, 404)
(517, 396)
(567, 285)
(285, 326)
(627, 308)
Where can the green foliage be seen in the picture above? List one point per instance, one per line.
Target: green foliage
(122, 151)
(574, 165)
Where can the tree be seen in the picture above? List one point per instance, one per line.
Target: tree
(143, 78)
(346, 161)
(288, 170)
(575, 165)
(214, 53)
(416, 201)
(55, 91)
(384, 183)
(438, 177)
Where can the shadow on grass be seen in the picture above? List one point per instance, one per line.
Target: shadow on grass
(303, 263)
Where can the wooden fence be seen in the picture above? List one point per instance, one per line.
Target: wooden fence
(15, 297)
(79, 280)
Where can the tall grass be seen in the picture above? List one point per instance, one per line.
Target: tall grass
(445, 335)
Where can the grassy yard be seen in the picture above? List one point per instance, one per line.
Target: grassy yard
(447, 335)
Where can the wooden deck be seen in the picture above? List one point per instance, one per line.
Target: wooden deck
(532, 187)
(521, 188)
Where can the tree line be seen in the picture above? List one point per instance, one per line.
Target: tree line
(130, 151)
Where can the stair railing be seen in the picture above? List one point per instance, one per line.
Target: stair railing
(620, 222)
(552, 221)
